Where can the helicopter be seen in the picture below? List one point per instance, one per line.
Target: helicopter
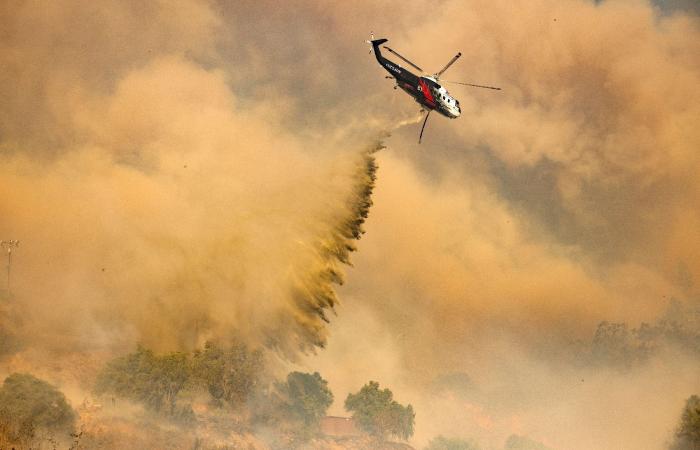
(424, 89)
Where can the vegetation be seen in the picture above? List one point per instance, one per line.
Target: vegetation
(376, 412)
(688, 432)
(617, 344)
(155, 381)
(293, 409)
(306, 398)
(234, 378)
(444, 443)
(28, 405)
(230, 375)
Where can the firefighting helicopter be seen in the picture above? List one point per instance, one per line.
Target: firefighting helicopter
(424, 89)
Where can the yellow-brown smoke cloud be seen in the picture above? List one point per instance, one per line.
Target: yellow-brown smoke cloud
(163, 215)
(204, 153)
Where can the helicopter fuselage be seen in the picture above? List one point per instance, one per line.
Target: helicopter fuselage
(425, 90)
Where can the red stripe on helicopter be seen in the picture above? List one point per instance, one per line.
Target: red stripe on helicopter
(426, 91)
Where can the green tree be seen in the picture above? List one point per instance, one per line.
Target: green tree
(160, 382)
(688, 432)
(208, 367)
(307, 397)
(230, 374)
(28, 404)
(444, 443)
(293, 408)
(155, 381)
(377, 413)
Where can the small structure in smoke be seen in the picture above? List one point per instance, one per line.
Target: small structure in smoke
(339, 427)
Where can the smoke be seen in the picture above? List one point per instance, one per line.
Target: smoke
(564, 200)
(196, 169)
(152, 207)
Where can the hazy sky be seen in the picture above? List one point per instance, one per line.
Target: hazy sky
(184, 170)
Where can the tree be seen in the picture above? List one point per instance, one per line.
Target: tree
(307, 397)
(208, 367)
(155, 381)
(444, 443)
(293, 408)
(688, 432)
(377, 413)
(230, 374)
(618, 345)
(614, 344)
(28, 404)
(160, 382)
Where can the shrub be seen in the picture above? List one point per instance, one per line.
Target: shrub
(28, 404)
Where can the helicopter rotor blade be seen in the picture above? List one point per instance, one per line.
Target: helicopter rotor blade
(447, 66)
(423, 127)
(474, 85)
(406, 60)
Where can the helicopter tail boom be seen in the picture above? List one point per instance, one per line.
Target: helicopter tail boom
(375, 46)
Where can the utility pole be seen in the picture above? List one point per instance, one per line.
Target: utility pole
(9, 245)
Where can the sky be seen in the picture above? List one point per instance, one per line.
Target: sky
(188, 170)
